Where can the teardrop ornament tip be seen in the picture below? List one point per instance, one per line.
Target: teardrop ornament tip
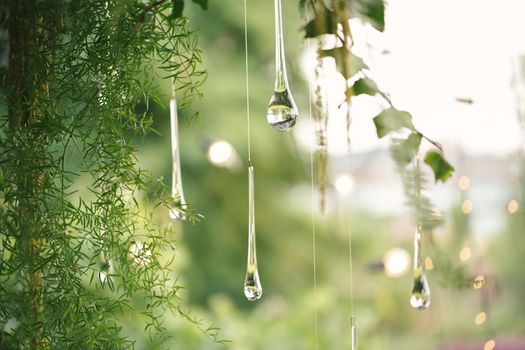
(282, 112)
(420, 297)
(355, 327)
(252, 286)
(252, 282)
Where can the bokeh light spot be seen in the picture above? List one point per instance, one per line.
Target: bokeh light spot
(465, 254)
(467, 206)
(479, 281)
(513, 206)
(396, 262)
(463, 183)
(480, 318)
(490, 345)
(220, 152)
(344, 184)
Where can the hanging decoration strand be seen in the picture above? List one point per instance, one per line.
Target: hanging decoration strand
(354, 327)
(314, 253)
(178, 207)
(353, 321)
(420, 297)
(351, 269)
(247, 82)
(252, 283)
(179, 203)
(177, 193)
(282, 111)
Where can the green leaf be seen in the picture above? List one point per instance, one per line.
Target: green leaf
(370, 11)
(364, 86)
(202, 3)
(302, 4)
(356, 63)
(404, 151)
(392, 120)
(177, 9)
(321, 24)
(441, 168)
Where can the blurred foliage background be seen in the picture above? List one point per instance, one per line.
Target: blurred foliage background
(211, 255)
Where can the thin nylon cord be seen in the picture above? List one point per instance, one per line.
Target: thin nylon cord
(350, 263)
(314, 253)
(349, 228)
(247, 83)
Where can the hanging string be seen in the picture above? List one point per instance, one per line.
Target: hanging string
(314, 253)
(252, 284)
(247, 83)
(351, 268)
(349, 229)
(350, 258)
(353, 320)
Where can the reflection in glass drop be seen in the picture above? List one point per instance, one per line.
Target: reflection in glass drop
(252, 286)
(420, 297)
(179, 203)
(252, 283)
(282, 111)
(354, 333)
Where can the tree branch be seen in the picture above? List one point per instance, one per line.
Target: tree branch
(140, 17)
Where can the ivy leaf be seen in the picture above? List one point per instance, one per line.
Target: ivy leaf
(202, 3)
(364, 86)
(321, 24)
(178, 7)
(404, 151)
(356, 63)
(370, 11)
(392, 120)
(441, 168)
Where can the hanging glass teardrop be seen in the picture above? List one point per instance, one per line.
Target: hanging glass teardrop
(354, 333)
(282, 111)
(420, 297)
(179, 203)
(252, 283)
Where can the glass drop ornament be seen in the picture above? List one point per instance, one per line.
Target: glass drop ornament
(252, 282)
(420, 297)
(355, 327)
(179, 203)
(282, 112)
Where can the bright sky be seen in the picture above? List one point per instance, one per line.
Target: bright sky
(440, 50)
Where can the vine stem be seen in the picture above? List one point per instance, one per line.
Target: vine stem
(341, 16)
(389, 101)
(149, 8)
(140, 17)
(312, 5)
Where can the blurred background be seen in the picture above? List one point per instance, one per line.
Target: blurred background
(459, 67)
